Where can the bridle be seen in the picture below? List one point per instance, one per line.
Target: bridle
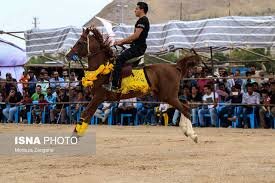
(85, 44)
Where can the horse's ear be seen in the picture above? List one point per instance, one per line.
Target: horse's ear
(83, 30)
(194, 51)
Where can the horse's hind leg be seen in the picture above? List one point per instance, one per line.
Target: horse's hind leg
(185, 122)
(82, 126)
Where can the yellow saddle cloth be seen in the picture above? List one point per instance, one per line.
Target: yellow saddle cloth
(136, 82)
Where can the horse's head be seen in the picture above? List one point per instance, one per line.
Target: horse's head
(193, 61)
(91, 44)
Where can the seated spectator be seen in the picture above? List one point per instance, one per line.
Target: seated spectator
(60, 108)
(2, 106)
(25, 103)
(77, 105)
(209, 97)
(235, 97)
(222, 92)
(12, 99)
(183, 97)
(104, 112)
(251, 98)
(146, 113)
(159, 113)
(127, 106)
(35, 96)
(56, 81)
(73, 80)
(256, 87)
(195, 97)
(272, 99)
(38, 109)
(264, 110)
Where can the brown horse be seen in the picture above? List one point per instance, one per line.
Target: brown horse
(164, 79)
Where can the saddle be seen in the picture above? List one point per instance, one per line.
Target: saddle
(137, 62)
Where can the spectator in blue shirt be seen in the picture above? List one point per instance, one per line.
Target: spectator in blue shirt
(50, 98)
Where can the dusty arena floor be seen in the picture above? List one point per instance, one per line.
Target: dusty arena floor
(151, 154)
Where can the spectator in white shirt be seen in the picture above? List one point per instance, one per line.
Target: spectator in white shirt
(209, 97)
(252, 98)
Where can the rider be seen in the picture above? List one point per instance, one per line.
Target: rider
(137, 41)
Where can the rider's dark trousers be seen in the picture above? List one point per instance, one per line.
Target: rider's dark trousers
(128, 54)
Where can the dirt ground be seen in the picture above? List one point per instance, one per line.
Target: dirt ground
(151, 154)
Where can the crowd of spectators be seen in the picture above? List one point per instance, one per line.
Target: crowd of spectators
(54, 98)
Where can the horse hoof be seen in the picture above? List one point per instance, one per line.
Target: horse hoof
(195, 138)
(74, 134)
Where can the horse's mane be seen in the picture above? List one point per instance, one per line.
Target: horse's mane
(103, 43)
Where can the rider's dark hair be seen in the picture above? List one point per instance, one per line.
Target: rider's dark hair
(144, 6)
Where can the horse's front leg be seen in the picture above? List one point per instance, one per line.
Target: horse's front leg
(82, 126)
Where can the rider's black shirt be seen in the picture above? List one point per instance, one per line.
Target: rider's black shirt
(143, 23)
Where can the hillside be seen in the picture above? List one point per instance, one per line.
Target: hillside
(164, 10)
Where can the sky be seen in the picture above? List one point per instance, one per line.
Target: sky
(17, 15)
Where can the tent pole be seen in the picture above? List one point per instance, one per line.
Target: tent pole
(258, 54)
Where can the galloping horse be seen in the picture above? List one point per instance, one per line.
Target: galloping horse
(163, 79)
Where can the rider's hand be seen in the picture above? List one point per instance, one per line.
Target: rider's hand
(118, 43)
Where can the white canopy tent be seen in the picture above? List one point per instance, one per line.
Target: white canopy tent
(218, 33)
(12, 60)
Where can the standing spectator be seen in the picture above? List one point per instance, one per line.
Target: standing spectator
(12, 99)
(24, 80)
(43, 81)
(238, 81)
(264, 110)
(50, 98)
(32, 82)
(66, 80)
(256, 73)
(209, 97)
(10, 83)
(251, 98)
